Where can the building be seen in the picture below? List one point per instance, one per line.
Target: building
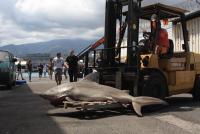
(193, 26)
(38, 58)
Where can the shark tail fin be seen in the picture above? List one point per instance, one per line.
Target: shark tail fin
(137, 107)
(139, 102)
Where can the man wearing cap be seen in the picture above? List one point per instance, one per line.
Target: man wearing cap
(58, 63)
(160, 36)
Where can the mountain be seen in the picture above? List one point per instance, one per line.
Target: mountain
(52, 47)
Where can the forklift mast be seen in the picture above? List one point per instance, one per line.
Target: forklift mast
(114, 12)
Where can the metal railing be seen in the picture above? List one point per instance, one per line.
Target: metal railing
(94, 59)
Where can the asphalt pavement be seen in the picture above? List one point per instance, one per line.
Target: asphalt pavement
(23, 111)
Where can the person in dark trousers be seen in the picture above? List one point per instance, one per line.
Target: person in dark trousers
(40, 69)
(19, 70)
(50, 68)
(72, 61)
(29, 68)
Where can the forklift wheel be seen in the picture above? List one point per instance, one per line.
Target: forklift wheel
(154, 85)
(196, 90)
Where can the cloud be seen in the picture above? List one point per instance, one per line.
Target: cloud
(24, 21)
(27, 21)
(60, 13)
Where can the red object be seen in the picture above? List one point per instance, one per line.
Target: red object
(98, 43)
(165, 22)
(163, 40)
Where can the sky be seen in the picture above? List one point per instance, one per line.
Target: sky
(28, 21)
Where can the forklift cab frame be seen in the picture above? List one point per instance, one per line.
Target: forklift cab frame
(133, 75)
(167, 12)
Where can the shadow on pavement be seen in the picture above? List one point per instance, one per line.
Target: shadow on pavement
(23, 112)
(105, 113)
(95, 114)
(176, 104)
(182, 104)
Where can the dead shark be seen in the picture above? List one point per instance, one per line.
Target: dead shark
(90, 91)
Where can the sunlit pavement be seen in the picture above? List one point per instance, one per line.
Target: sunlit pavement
(23, 111)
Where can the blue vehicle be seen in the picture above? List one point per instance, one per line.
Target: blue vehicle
(7, 69)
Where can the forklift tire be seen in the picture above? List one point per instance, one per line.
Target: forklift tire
(196, 89)
(154, 85)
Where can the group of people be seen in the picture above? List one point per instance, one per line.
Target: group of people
(42, 69)
(55, 65)
(29, 69)
(70, 63)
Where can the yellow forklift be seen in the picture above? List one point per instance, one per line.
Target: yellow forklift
(145, 72)
(175, 72)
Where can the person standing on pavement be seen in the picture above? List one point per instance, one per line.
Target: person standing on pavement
(72, 61)
(29, 68)
(58, 63)
(65, 70)
(45, 70)
(19, 70)
(40, 69)
(50, 68)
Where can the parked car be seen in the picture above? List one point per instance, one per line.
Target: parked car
(7, 69)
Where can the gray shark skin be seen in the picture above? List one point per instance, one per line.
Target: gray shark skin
(90, 91)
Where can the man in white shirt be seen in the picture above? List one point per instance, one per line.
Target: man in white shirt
(58, 63)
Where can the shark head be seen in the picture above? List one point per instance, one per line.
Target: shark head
(67, 90)
(57, 95)
(58, 91)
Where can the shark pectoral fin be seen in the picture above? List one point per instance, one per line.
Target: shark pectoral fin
(68, 99)
(109, 98)
(137, 107)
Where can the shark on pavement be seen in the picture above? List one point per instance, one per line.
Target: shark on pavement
(89, 90)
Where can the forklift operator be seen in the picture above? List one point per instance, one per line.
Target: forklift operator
(159, 36)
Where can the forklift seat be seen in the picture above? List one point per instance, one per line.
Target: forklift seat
(170, 52)
(171, 48)
(171, 61)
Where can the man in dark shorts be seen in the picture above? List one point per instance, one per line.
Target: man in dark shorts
(58, 63)
(72, 61)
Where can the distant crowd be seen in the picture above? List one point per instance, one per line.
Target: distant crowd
(57, 65)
